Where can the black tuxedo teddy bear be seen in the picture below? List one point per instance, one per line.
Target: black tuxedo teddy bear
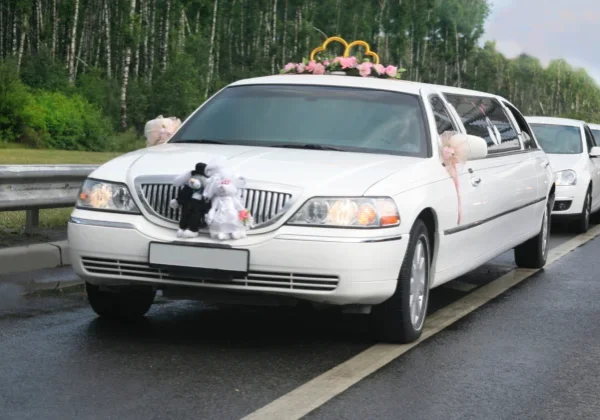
(194, 206)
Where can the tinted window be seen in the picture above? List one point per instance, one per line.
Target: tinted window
(484, 117)
(589, 138)
(443, 121)
(596, 134)
(528, 142)
(349, 119)
(558, 139)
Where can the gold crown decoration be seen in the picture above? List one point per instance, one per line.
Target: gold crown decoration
(347, 47)
(346, 64)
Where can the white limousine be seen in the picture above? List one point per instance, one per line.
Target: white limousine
(353, 200)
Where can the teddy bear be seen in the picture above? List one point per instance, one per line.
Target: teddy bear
(194, 206)
(160, 130)
(227, 218)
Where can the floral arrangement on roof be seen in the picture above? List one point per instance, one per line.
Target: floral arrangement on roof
(344, 64)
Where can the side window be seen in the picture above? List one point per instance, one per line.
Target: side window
(528, 141)
(485, 117)
(589, 138)
(443, 121)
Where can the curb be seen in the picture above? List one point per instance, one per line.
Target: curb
(24, 269)
(34, 257)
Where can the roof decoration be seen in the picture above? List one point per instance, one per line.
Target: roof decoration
(344, 64)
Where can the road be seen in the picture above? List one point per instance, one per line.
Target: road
(533, 352)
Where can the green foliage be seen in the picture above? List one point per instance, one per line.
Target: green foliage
(14, 99)
(67, 122)
(40, 71)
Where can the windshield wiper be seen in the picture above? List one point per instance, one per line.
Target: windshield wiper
(306, 146)
(201, 141)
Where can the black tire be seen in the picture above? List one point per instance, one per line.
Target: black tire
(534, 252)
(124, 303)
(582, 223)
(391, 320)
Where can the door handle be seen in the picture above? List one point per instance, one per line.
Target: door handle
(475, 181)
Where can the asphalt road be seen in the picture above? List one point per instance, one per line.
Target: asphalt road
(532, 353)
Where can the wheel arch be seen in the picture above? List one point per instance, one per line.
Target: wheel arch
(429, 217)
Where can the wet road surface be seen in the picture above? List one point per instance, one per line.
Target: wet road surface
(513, 358)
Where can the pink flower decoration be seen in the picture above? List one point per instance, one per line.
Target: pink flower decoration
(300, 68)
(289, 67)
(311, 66)
(379, 68)
(364, 69)
(447, 153)
(326, 63)
(337, 59)
(391, 71)
(348, 62)
(319, 69)
(243, 214)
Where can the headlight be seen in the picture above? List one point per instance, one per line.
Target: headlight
(566, 178)
(355, 212)
(106, 196)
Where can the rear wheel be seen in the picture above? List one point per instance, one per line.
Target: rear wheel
(122, 302)
(582, 223)
(400, 319)
(534, 252)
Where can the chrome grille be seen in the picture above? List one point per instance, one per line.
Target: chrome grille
(263, 205)
(136, 270)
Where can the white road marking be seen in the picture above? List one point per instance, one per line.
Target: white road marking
(321, 389)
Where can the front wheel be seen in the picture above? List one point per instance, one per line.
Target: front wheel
(400, 319)
(582, 223)
(534, 252)
(122, 303)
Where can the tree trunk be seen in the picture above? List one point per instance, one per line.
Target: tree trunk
(211, 60)
(73, 45)
(274, 37)
(284, 38)
(126, 70)
(107, 38)
(14, 33)
(54, 28)
(152, 47)
(458, 82)
(22, 41)
(165, 46)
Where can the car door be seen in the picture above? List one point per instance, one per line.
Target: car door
(593, 165)
(452, 237)
(507, 178)
(544, 170)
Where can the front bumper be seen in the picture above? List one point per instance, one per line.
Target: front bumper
(331, 266)
(569, 200)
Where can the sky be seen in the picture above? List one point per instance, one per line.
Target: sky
(548, 29)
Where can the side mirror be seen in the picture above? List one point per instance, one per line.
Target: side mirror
(478, 148)
(595, 152)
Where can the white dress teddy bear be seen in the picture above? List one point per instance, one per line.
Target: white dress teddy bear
(227, 218)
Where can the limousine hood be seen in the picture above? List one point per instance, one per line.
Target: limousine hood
(312, 171)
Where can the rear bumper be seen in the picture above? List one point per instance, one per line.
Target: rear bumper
(302, 263)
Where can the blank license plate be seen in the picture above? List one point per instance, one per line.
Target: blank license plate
(200, 258)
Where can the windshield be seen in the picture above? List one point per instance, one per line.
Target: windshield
(558, 139)
(313, 117)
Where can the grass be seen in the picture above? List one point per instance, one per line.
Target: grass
(23, 156)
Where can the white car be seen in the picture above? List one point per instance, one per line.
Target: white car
(345, 181)
(575, 159)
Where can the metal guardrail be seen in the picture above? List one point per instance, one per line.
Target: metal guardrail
(35, 187)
